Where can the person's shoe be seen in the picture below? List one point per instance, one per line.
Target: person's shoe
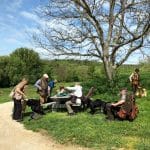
(108, 119)
(72, 114)
(19, 120)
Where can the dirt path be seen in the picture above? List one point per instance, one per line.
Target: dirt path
(13, 135)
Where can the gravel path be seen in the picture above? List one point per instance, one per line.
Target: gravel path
(13, 135)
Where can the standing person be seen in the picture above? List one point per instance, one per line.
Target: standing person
(135, 80)
(76, 94)
(42, 88)
(19, 95)
(51, 85)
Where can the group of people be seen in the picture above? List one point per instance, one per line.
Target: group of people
(44, 88)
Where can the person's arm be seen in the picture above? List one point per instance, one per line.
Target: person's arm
(118, 103)
(37, 84)
(130, 78)
(71, 88)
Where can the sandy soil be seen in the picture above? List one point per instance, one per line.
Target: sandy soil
(13, 135)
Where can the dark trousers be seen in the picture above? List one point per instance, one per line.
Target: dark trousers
(73, 98)
(17, 112)
(134, 88)
(111, 111)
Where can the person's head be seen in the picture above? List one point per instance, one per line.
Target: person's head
(25, 81)
(123, 91)
(77, 83)
(23, 84)
(137, 70)
(45, 76)
(61, 88)
(55, 81)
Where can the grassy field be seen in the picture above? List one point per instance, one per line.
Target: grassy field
(92, 130)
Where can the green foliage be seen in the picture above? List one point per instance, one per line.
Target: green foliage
(28, 64)
(4, 78)
(21, 63)
(103, 85)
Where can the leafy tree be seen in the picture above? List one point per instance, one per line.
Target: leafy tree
(24, 62)
(4, 78)
(107, 30)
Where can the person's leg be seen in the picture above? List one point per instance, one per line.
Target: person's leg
(18, 110)
(109, 112)
(14, 110)
(45, 98)
(134, 88)
(68, 105)
(42, 100)
(50, 91)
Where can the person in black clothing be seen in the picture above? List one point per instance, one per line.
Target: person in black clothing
(17, 98)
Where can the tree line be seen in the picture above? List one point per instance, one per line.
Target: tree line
(24, 62)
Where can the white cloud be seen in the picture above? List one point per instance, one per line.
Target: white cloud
(33, 17)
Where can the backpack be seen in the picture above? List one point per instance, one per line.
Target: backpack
(129, 109)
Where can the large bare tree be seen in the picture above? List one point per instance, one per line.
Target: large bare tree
(110, 30)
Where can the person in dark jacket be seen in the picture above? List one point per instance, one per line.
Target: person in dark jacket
(51, 85)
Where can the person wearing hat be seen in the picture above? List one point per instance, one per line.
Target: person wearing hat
(42, 88)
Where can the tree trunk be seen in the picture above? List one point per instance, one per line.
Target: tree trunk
(109, 69)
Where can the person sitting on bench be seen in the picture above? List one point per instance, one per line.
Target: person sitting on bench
(124, 109)
(113, 108)
(61, 92)
(75, 97)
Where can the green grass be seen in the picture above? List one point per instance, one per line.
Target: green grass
(4, 94)
(92, 130)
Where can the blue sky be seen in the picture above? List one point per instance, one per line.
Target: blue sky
(18, 19)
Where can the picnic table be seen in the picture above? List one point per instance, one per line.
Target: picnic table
(57, 102)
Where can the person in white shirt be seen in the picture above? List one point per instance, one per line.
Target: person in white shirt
(75, 97)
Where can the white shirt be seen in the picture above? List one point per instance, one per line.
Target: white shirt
(77, 90)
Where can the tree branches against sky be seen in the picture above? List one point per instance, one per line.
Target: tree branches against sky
(18, 19)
